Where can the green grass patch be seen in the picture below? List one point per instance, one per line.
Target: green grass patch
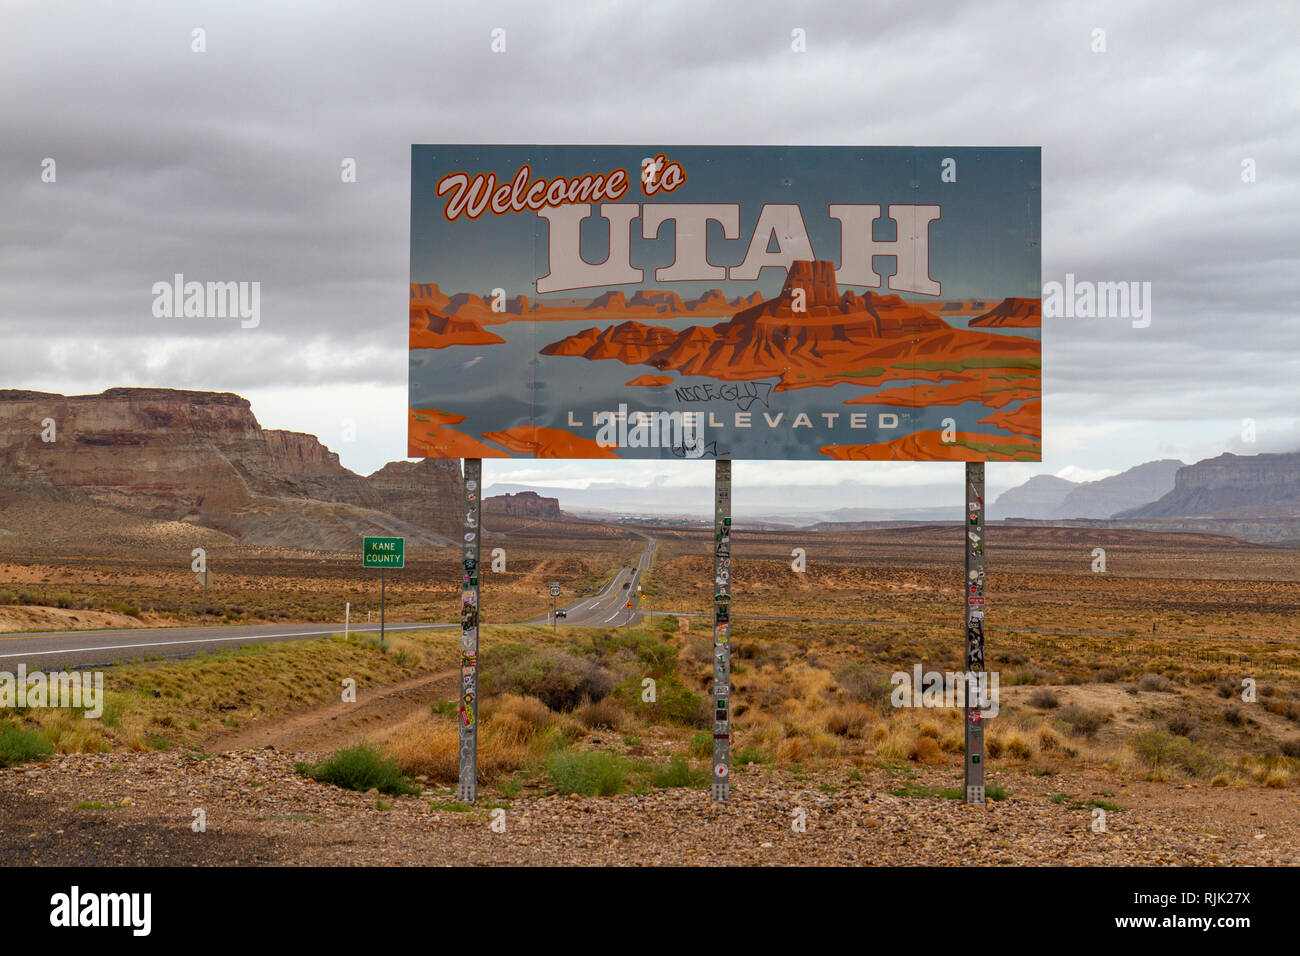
(360, 768)
(747, 755)
(591, 774)
(677, 772)
(18, 745)
(992, 791)
(451, 806)
(1159, 748)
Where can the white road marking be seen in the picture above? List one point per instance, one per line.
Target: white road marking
(217, 640)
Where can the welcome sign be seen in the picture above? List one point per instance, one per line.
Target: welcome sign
(798, 303)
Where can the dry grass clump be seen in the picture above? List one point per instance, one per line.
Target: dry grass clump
(1155, 682)
(864, 684)
(1009, 743)
(849, 720)
(925, 750)
(516, 731)
(603, 714)
(1081, 721)
(1049, 741)
(528, 709)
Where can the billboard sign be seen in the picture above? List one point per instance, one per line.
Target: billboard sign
(739, 302)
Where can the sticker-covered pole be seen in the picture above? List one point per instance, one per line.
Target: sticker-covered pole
(721, 703)
(467, 791)
(974, 537)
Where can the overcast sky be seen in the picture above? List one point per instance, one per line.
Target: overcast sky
(226, 164)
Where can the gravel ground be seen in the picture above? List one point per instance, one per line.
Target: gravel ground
(259, 811)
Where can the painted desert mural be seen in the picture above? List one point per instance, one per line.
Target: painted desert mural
(876, 354)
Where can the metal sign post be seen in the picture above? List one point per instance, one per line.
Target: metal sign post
(721, 632)
(974, 536)
(467, 791)
(203, 576)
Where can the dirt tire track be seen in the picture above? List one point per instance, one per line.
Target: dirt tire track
(339, 724)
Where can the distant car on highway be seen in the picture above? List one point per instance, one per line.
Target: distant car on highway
(560, 614)
(626, 585)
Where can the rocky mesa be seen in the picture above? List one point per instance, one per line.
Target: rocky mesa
(523, 504)
(202, 458)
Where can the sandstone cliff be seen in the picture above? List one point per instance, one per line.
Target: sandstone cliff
(200, 458)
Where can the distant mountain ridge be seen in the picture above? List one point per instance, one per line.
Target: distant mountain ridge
(1231, 486)
(1046, 496)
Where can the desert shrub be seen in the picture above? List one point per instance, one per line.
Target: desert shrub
(699, 649)
(511, 730)
(1278, 777)
(1081, 721)
(591, 774)
(18, 745)
(1159, 749)
(674, 701)
(1048, 740)
(359, 768)
(863, 684)
(925, 750)
(1044, 699)
(668, 624)
(1030, 675)
(601, 715)
(1154, 682)
(1233, 716)
(430, 746)
(1291, 748)
(1014, 744)
(1181, 725)
(851, 720)
(677, 773)
(1110, 674)
(653, 653)
(557, 678)
(529, 709)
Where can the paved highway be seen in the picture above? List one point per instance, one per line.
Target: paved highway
(58, 649)
(609, 607)
(53, 650)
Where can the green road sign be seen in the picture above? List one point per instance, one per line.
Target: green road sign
(383, 552)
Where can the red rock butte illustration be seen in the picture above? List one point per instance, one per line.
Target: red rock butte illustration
(810, 335)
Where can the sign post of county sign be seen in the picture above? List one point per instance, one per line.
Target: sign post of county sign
(383, 552)
(738, 302)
